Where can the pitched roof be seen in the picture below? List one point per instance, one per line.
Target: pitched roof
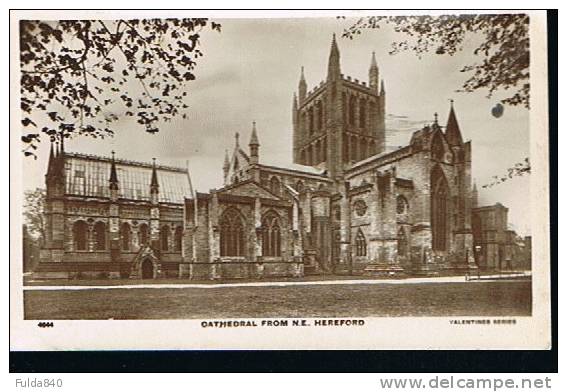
(248, 189)
(88, 175)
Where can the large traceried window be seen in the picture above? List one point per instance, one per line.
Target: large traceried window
(80, 230)
(100, 236)
(231, 234)
(164, 238)
(271, 235)
(360, 243)
(178, 239)
(125, 234)
(439, 209)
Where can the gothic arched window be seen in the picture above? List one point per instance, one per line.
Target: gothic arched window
(402, 205)
(275, 185)
(164, 238)
(231, 234)
(80, 230)
(402, 243)
(362, 114)
(178, 239)
(143, 234)
(439, 209)
(323, 156)
(100, 236)
(271, 235)
(125, 234)
(360, 243)
(352, 111)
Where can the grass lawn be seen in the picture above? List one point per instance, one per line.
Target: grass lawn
(505, 298)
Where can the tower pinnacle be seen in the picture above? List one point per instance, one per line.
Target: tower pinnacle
(373, 74)
(452, 130)
(254, 136)
(113, 180)
(302, 87)
(254, 145)
(334, 70)
(226, 165)
(154, 185)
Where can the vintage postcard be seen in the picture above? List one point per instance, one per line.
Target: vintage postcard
(279, 180)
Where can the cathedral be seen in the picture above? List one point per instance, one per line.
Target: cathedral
(347, 204)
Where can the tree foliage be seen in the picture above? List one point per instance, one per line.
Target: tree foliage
(519, 169)
(503, 54)
(77, 75)
(34, 207)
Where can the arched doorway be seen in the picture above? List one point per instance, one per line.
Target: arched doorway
(147, 269)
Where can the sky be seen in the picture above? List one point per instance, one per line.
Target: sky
(250, 71)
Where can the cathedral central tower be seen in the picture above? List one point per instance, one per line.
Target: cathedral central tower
(341, 120)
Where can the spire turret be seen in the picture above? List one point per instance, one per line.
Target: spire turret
(302, 87)
(226, 164)
(254, 145)
(154, 185)
(236, 140)
(453, 131)
(62, 143)
(373, 74)
(113, 180)
(51, 161)
(334, 70)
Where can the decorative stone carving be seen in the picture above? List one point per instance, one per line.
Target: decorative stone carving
(360, 207)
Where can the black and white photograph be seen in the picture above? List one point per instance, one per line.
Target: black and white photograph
(302, 180)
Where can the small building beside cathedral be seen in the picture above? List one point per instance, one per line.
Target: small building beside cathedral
(347, 204)
(110, 217)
